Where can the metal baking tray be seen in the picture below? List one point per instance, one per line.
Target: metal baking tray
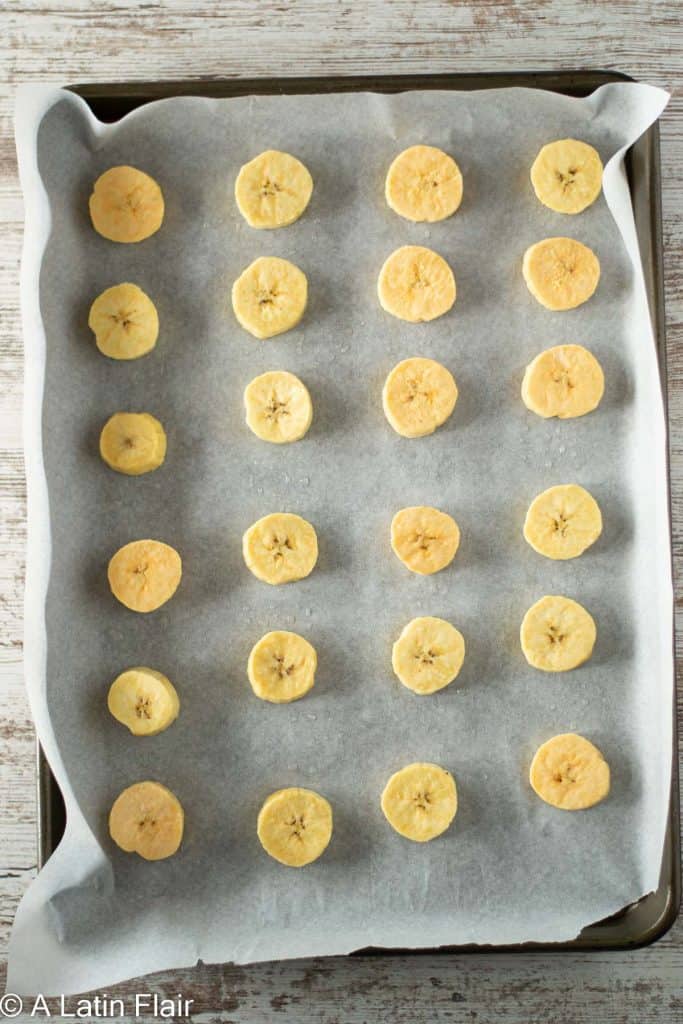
(646, 920)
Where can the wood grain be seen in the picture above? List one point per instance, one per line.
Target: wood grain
(117, 40)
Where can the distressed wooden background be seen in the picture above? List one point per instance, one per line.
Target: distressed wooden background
(90, 40)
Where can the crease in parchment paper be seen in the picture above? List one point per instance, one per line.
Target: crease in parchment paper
(511, 869)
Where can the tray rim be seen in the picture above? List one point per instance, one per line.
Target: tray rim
(579, 81)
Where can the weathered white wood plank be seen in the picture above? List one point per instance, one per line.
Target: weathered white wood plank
(91, 40)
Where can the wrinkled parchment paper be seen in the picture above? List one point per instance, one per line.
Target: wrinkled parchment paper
(511, 868)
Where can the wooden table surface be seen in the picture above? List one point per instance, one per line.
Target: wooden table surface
(90, 40)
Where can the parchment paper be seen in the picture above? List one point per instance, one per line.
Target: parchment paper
(511, 868)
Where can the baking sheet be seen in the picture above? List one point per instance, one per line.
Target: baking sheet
(511, 869)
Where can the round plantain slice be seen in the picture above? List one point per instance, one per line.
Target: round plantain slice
(147, 819)
(124, 321)
(281, 667)
(416, 284)
(557, 634)
(561, 273)
(133, 443)
(143, 700)
(424, 184)
(428, 654)
(270, 296)
(278, 407)
(425, 539)
(567, 175)
(564, 381)
(126, 205)
(273, 189)
(570, 773)
(280, 548)
(418, 396)
(144, 574)
(420, 801)
(295, 826)
(563, 521)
